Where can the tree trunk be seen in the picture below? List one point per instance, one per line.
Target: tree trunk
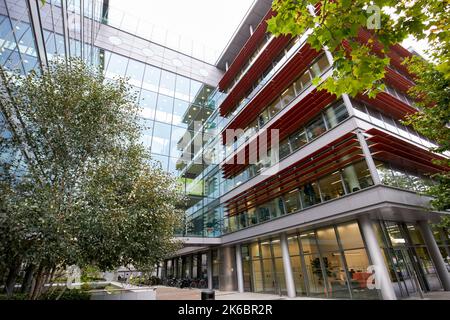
(36, 282)
(28, 278)
(12, 276)
(40, 282)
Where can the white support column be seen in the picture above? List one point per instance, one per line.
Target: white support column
(289, 277)
(368, 157)
(435, 254)
(348, 104)
(209, 270)
(376, 256)
(239, 270)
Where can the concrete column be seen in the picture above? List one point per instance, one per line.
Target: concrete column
(376, 256)
(227, 269)
(435, 254)
(368, 157)
(209, 270)
(289, 277)
(239, 270)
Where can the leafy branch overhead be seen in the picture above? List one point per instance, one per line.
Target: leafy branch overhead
(335, 25)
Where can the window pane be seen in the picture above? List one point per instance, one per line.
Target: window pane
(164, 109)
(327, 239)
(350, 236)
(315, 128)
(148, 104)
(284, 148)
(336, 114)
(135, 72)
(309, 194)
(179, 110)
(263, 118)
(167, 84)
(163, 160)
(151, 78)
(116, 66)
(195, 89)
(274, 107)
(287, 96)
(291, 200)
(357, 177)
(323, 63)
(276, 248)
(182, 88)
(293, 246)
(298, 139)
(161, 138)
(177, 134)
(308, 241)
(303, 82)
(331, 186)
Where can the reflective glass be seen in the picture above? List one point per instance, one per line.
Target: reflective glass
(182, 88)
(331, 186)
(179, 110)
(117, 66)
(164, 109)
(167, 84)
(161, 138)
(151, 78)
(287, 96)
(315, 128)
(350, 236)
(148, 104)
(291, 200)
(135, 72)
(298, 139)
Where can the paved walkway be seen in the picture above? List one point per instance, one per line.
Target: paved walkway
(172, 293)
(435, 295)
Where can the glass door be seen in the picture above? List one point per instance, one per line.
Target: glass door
(407, 272)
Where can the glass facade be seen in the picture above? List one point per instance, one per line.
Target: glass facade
(407, 258)
(347, 180)
(329, 262)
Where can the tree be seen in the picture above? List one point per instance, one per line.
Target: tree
(337, 23)
(77, 186)
(358, 70)
(432, 93)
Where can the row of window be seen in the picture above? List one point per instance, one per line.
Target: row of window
(399, 95)
(399, 177)
(17, 48)
(329, 262)
(249, 62)
(281, 101)
(382, 120)
(155, 79)
(325, 120)
(344, 181)
(276, 64)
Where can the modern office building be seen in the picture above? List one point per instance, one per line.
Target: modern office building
(335, 208)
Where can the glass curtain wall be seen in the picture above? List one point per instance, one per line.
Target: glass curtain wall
(410, 265)
(329, 262)
(347, 180)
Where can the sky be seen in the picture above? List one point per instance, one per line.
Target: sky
(210, 23)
